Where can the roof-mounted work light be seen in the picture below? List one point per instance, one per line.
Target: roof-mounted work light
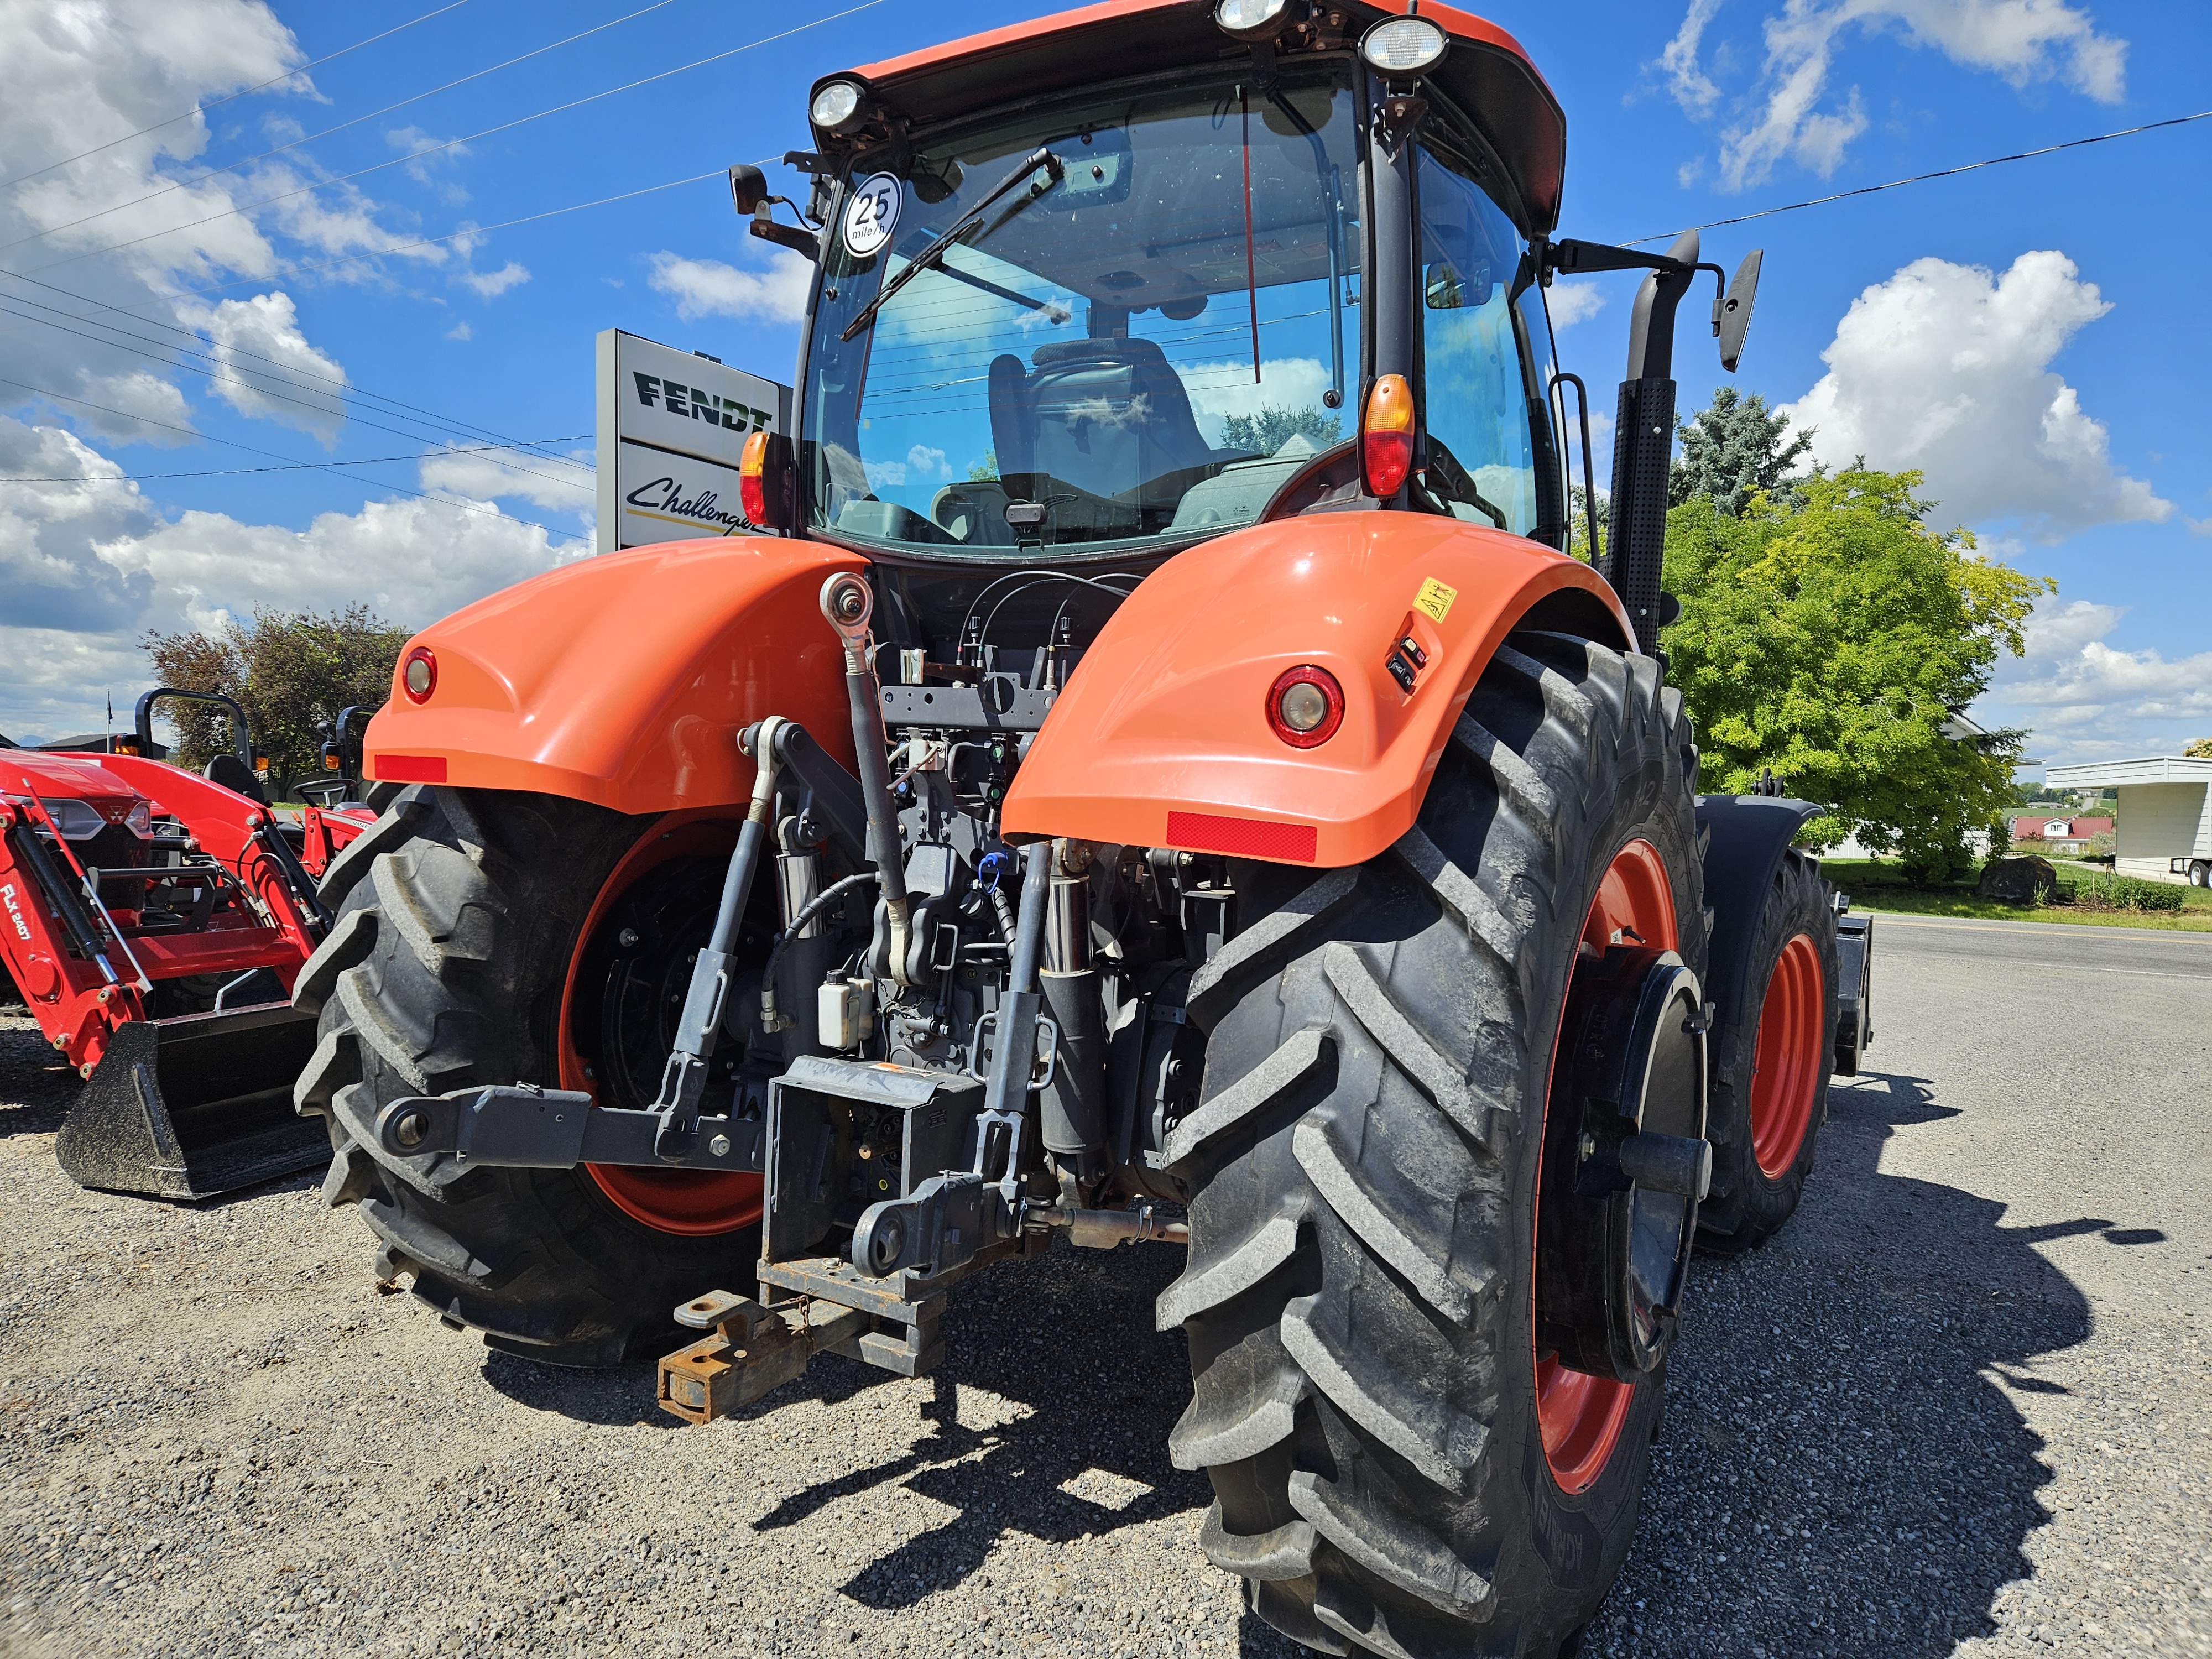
(838, 107)
(1251, 19)
(1402, 45)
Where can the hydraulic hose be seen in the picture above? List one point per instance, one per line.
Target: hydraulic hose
(770, 1020)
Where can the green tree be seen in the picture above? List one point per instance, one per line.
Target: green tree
(1832, 640)
(1734, 449)
(2198, 749)
(292, 671)
(1271, 429)
(985, 470)
(1578, 541)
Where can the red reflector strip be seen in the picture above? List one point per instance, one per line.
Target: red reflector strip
(1204, 832)
(410, 768)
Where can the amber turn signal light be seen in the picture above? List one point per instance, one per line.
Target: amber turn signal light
(1386, 436)
(752, 490)
(1306, 705)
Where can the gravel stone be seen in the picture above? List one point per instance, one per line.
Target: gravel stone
(1962, 1404)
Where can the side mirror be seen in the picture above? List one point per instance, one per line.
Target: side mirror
(748, 189)
(1733, 315)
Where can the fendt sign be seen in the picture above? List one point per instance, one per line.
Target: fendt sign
(670, 424)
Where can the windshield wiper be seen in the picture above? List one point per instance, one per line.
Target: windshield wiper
(968, 223)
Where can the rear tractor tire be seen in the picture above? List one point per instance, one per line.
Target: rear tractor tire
(1400, 1466)
(493, 937)
(1772, 1063)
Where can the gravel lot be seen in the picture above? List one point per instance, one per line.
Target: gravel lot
(1962, 1404)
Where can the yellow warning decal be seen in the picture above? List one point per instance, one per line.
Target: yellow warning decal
(1435, 600)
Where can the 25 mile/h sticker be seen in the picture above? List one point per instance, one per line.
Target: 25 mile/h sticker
(871, 214)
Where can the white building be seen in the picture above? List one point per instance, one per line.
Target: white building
(2165, 813)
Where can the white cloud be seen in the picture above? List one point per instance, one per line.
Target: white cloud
(420, 167)
(1572, 302)
(490, 285)
(1946, 368)
(458, 331)
(2088, 699)
(924, 462)
(88, 566)
(299, 388)
(707, 287)
(2021, 41)
(160, 406)
(1692, 89)
(486, 475)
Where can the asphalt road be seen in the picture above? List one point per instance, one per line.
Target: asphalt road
(1962, 1404)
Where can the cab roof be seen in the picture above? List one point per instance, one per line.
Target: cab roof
(1485, 71)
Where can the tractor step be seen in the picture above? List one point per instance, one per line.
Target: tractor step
(187, 1108)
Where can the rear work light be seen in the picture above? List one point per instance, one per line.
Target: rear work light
(752, 490)
(1306, 705)
(1386, 436)
(418, 676)
(1403, 46)
(1251, 19)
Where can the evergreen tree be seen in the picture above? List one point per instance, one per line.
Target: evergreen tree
(1732, 449)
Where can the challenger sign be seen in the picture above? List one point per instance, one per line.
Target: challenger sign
(670, 424)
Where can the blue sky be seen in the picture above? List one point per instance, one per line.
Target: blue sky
(2032, 335)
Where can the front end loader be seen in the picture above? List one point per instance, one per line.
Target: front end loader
(155, 922)
(1162, 780)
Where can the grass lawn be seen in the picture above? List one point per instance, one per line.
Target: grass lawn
(1874, 884)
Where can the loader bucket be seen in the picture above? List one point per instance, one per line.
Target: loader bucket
(196, 1105)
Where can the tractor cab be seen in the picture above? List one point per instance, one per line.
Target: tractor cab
(1116, 283)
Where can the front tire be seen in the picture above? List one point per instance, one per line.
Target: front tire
(461, 931)
(1396, 1469)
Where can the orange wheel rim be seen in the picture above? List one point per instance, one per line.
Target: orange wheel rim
(690, 1204)
(1578, 1416)
(1785, 1073)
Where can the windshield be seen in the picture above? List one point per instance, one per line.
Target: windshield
(1142, 336)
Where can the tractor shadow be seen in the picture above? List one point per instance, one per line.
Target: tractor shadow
(1838, 1472)
(1070, 1336)
(37, 1086)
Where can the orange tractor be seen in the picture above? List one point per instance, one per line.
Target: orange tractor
(155, 923)
(1159, 778)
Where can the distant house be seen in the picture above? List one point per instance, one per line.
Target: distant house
(2035, 832)
(2165, 813)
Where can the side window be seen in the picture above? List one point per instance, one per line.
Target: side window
(1482, 462)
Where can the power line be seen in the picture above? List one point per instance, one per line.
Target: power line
(375, 400)
(259, 391)
(309, 138)
(201, 109)
(372, 254)
(433, 149)
(320, 466)
(292, 466)
(1922, 178)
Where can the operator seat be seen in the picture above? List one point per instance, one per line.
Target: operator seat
(1103, 417)
(235, 775)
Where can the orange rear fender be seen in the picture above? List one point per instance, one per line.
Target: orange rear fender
(1162, 738)
(623, 680)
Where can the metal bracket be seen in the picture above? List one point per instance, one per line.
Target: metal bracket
(752, 1349)
(1047, 1049)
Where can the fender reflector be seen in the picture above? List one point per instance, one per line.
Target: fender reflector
(410, 768)
(1256, 838)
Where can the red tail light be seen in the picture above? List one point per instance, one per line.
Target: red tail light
(752, 492)
(1386, 436)
(418, 675)
(1306, 705)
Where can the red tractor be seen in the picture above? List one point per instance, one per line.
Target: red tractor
(1161, 777)
(155, 922)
